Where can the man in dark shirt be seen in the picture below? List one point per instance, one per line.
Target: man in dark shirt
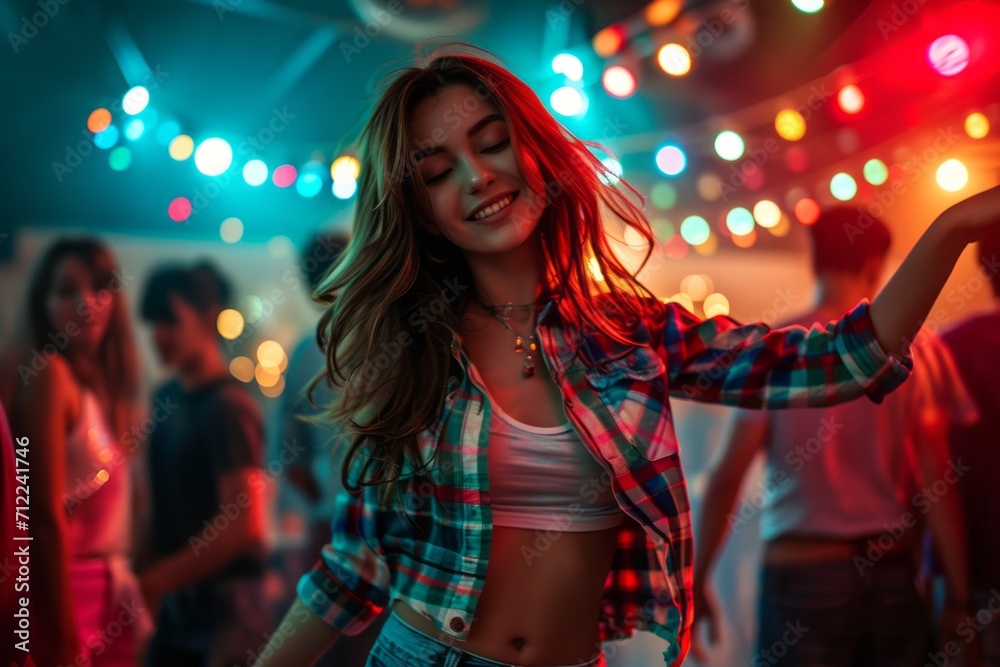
(975, 345)
(207, 506)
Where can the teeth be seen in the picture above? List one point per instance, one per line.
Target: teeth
(493, 208)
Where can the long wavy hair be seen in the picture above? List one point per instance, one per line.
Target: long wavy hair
(116, 355)
(393, 272)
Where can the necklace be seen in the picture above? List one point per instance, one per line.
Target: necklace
(502, 313)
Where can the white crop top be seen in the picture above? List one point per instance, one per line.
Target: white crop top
(544, 477)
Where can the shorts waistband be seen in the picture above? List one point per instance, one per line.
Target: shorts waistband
(393, 616)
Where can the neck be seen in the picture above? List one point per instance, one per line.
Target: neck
(836, 297)
(515, 277)
(205, 369)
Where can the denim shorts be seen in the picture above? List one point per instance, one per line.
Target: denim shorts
(401, 645)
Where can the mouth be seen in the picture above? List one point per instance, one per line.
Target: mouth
(493, 206)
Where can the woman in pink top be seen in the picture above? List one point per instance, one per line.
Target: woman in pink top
(71, 389)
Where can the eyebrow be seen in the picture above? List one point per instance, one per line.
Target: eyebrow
(480, 124)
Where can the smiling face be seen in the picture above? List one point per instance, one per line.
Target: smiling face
(478, 195)
(74, 301)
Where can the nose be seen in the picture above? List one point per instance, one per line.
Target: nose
(477, 175)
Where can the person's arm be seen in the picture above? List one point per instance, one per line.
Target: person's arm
(301, 639)
(41, 412)
(745, 435)
(241, 497)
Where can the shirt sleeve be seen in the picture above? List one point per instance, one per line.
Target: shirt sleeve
(236, 433)
(719, 360)
(349, 585)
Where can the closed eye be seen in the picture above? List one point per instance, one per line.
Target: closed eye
(496, 148)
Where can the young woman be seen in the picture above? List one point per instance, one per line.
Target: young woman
(521, 498)
(72, 394)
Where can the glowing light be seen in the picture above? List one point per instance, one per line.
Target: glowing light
(567, 101)
(682, 299)
(783, 227)
(275, 390)
(179, 209)
(790, 125)
(729, 145)
(797, 159)
(231, 230)
(107, 138)
(181, 147)
(230, 324)
(213, 156)
(766, 213)
(843, 187)
(876, 172)
(280, 246)
(715, 304)
(663, 195)
(166, 131)
(948, 55)
(977, 125)
(270, 354)
(670, 159)
(608, 41)
(695, 230)
(745, 241)
(309, 183)
(675, 247)
(952, 175)
(134, 129)
(345, 168)
(851, 99)
(697, 285)
(135, 100)
(255, 172)
(740, 221)
(674, 59)
(265, 376)
(242, 369)
(709, 187)
(344, 189)
(284, 175)
(619, 81)
(708, 248)
(252, 308)
(661, 12)
(806, 210)
(615, 167)
(808, 6)
(98, 120)
(568, 65)
(120, 158)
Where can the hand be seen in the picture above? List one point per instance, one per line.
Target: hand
(704, 611)
(972, 217)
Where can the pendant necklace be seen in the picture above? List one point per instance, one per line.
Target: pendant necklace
(502, 313)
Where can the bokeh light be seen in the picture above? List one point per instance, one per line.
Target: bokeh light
(255, 172)
(213, 156)
(284, 175)
(344, 189)
(568, 65)
(179, 209)
(270, 354)
(808, 6)
(952, 175)
(674, 59)
(134, 128)
(709, 186)
(948, 55)
(876, 172)
(670, 159)
(106, 139)
(345, 167)
(851, 99)
(746, 240)
(695, 229)
(790, 124)
(682, 299)
(843, 187)
(568, 101)
(697, 286)
(619, 81)
(98, 120)
(729, 145)
(608, 41)
(663, 194)
(252, 308)
(977, 125)
(231, 230)
(715, 304)
(806, 210)
(740, 221)
(230, 324)
(135, 100)
(242, 369)
(766, 213)
(181, 147)
(120, 158)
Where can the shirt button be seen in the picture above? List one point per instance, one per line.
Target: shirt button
(457, 624)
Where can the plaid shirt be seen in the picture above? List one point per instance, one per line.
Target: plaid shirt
(615, 396)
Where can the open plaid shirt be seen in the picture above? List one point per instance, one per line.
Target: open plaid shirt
(615, 395)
